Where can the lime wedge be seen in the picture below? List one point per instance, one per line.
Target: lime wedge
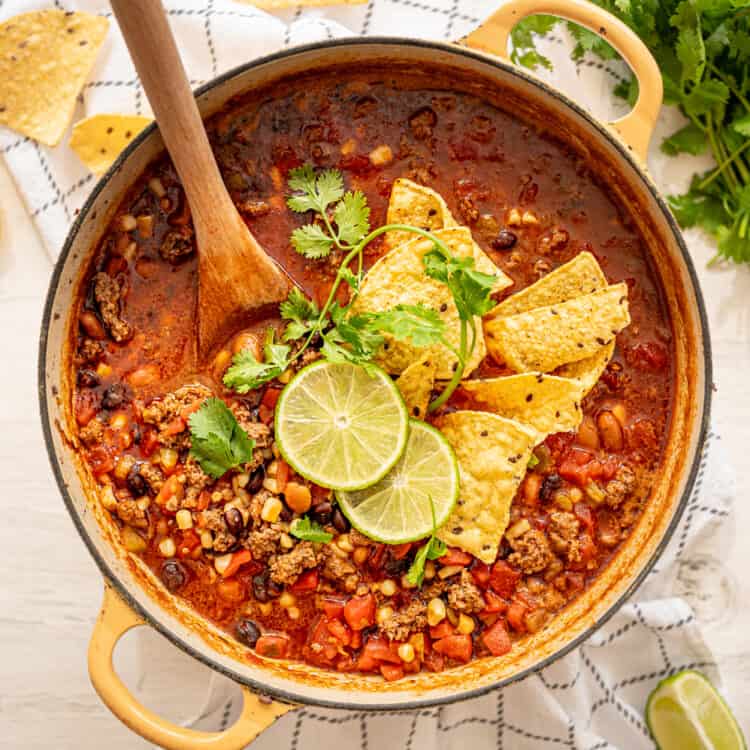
(685, 712)
(398, 508)
(339, 426)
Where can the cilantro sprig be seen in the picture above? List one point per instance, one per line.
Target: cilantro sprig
(218, 442)
(703, 52)
(433, 549)
(309, 531)
(341, 222)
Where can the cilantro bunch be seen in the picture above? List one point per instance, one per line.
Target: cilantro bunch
(341, 224)
(703, 51)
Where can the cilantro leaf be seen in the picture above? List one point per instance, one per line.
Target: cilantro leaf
(707, 97)
(309, 531)
(352, 217)
(218, 442)
(418, 324)
(689, 140)
(470, 288)
(433, 549)
(742, 125)
(302, 314)
(311, 241)
(246, 373)
(314, 192)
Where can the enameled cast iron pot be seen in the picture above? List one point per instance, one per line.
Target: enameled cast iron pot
(617, 151)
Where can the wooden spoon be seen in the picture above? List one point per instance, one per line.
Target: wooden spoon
(235, 276)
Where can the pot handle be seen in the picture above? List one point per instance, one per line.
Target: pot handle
(637, 126)
(114, 620)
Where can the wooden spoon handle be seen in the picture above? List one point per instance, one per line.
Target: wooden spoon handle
(154, 51)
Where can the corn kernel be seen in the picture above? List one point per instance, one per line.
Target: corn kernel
(286, 541)
(360, 555)
(518, 529)
(345, 543)
(271, 509)
(269, 483)
(575, 494)
(287, 600)
(406, 583)
(167, 547)
(145, 225)
(132, 540)
(381, 155)
(124, 465)
(383, 615)
(103, 370)
(417, 640)
(388, 587)
(529, 218)
(436, 611)
(143, 502)
(242, 480)
(406, 652)
(156, 187)
(168, 458)
(452, 616)
(513, 219)
(466, 624)
(285, 376)
(449, 570)
(293, 613)
(275, 451)
(207, 540)
(109, 501)
(348, 147)
(265, 608)
(221, 563)
(595, 493)
(430, 571)
(119, 421)
(128, 222)
(272, 469)
(184, 519)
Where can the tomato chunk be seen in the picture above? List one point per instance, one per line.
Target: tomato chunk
(504, 579)
(359, 612)
(481, 573)
(494, 603)
(455, 557)
(339, 631)
(391, 672)
(239, 559)
(272, 646)
(456, 647)
(382, 650)
(515, 615)
(442, 630)
(497, 639)
(308, 581)
(333, 606)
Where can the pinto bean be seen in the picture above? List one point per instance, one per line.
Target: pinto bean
(610, 431)
(92, 325)
(588, 435)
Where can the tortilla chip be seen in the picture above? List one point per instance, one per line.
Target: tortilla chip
(493, 454)
(546, 337)
(280, 4)
(588, 371)
(416, 383)
(98, 140)
(579, 276)
(399, 278)
(418, 206)
(546, 403)
(45, 58)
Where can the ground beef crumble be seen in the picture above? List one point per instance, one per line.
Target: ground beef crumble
(92, 433)
(620, 487)
(531, 552)
(107, 293)
(129, 512)
(285, 569)
(563, 534)
(411, 619)
(339, 569)
(465, 595)
(263, 543)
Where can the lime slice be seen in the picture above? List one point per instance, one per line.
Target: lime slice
(397, 508)
(685, 712)
(339, 426)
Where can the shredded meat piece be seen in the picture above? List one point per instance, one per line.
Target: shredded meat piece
(177, 244)
(152, 475)
(620, 487)
(263, 543)
(410, 619)
(194, 475)
(129, 512)
(162, 412)
(89, 352)
(92, 433)
(434, 589)
(285, 569)
(531, 552)
(340, 570)
(107, 293)
(563, 534)
(422, 123)
(468, 209)
(215, 522)
(464, 595)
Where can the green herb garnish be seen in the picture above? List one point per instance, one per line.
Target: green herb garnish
(433, 549)
(218, 442)
(247, 373)
(703, 52)
(309, 531)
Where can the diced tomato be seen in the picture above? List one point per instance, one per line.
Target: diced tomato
(357, 164)
(176, 426)
(382, 650)
(346, 664)
(239, 559)
(282, 475)
(204, 499)
(489, 618)
(285, 159)
(442, 630)
(356, 639)
(559, 443)
(359, 612)
(339, 631)
(434, 661)
(366, 663)
(189, 542)
(149, 441)
(494, 603)
(308, 581)
(265, 414)
(399, 551)
(481, 573)
(85, 406)
(455, 557)
(375, 561)
(172, 488)
(186, 411)
(497, 639)
(516, 612)
(504, 579)
(574, 581)
(230, 590)
(456, 647)
(585, 516)
(391, 672)
(272, 646)
(649, 356)
(101, 459)
(333, 606)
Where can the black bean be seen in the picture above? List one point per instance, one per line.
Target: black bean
(115, 396)
(396, 567)
(235, 522)
(274, 589)
(505, 240)
(173, 575)
(286, 514)
(247, 632)
(136, 483)
(87, 379)
(549, 485)
(260, 592)
(256, 480)
(322, 513)
(340, 521)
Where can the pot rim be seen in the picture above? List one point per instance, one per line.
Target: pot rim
(602, 131)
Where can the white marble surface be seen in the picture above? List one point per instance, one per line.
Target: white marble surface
(50, 590)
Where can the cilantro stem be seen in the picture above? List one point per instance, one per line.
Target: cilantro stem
(457, 375)
(719, 74)
(720, 168)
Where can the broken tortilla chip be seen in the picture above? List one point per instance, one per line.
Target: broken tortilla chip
(45, 58)
(416, 383)
(588, 371)
(579, 276)
(493, 454)
(546, 337)
(399, 278)
(547, 403)
(417, 206)
(100, 139)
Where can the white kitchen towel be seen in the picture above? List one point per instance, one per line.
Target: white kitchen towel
(594, 697)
